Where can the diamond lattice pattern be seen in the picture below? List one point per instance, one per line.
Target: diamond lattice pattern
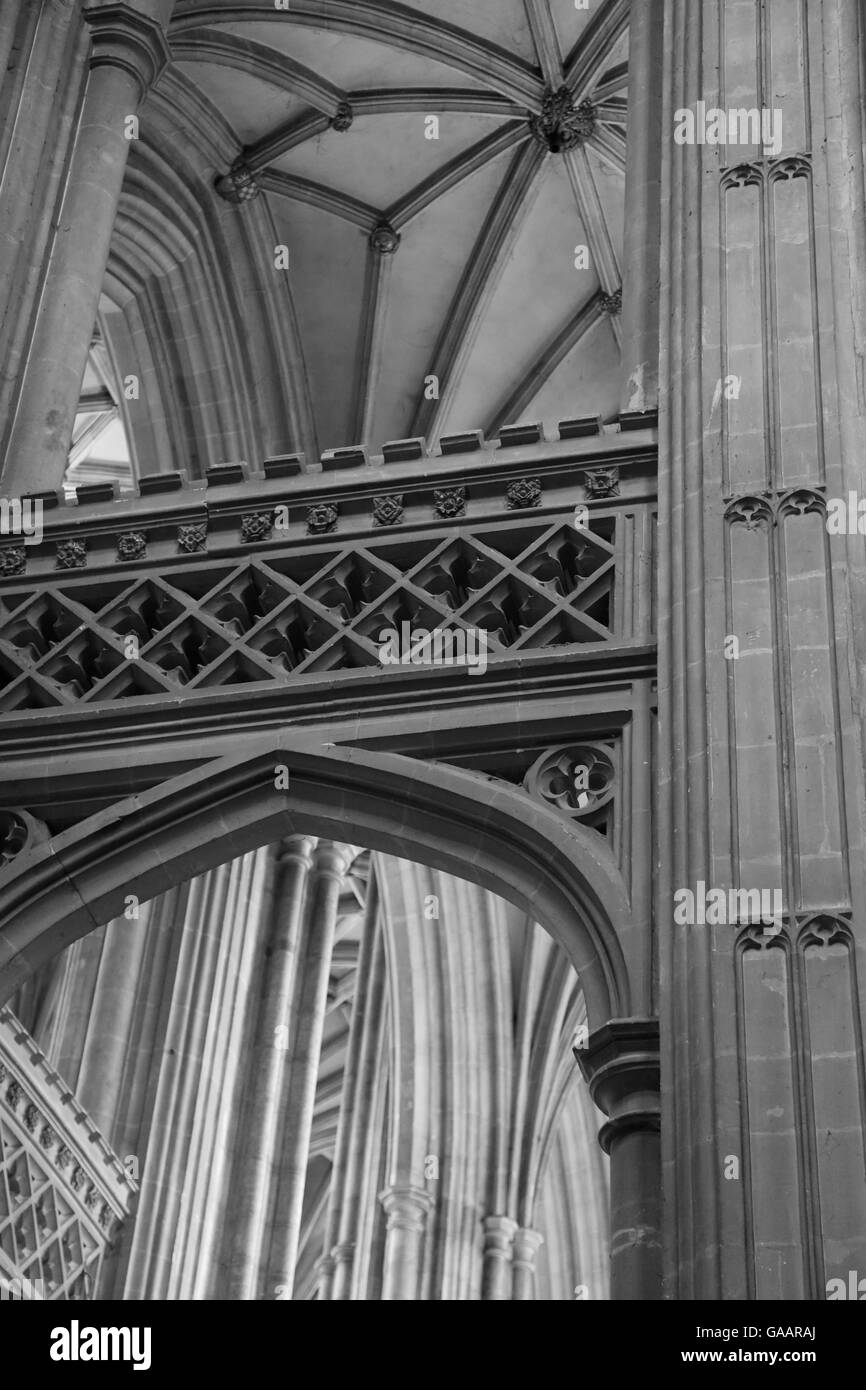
(42, 1237)
(282, 615)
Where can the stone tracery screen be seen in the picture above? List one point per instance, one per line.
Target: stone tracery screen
(285, 613)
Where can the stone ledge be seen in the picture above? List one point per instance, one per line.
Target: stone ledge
(467, 452)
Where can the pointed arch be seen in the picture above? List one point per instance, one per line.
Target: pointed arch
(486, 832)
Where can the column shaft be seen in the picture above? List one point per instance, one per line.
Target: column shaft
(621, 1065)
(407, 1209)
(343, 1179)
(367, 1093)
(186, 1076)
(525, 1249)
(635, 1213)
(496, 1274)
(641, 244)
(269, 1072)
(49, 51)
(128, 54)
(312, 996)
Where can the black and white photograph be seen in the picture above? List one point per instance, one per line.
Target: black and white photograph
(432, 671)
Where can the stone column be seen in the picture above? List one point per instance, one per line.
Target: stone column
(343, 1179)
(762, 649)
(10, 18)
(269, 1071)
(640, 297)
(621, 1065)
(640, 373)
(361, 1144)
(128, 54)
(524, 1250)
(340, 1281)
(41, 50)
(326, 880)
(407, 1209)
(110, 1025)
(182, 1081)
(325, 1277)
(499, 1232)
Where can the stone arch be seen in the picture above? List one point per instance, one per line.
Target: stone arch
(485, 831)
(184, 270)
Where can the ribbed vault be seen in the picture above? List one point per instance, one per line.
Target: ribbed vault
(433, 284)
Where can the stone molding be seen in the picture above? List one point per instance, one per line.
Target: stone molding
(407, 1207)
(19, 831)
(499, 1233)
(621, 1066)
(124, 38)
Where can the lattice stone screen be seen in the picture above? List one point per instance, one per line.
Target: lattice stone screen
(305, 609)
(63, 1192)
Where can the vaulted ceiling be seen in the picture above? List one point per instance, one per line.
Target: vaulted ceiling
(426, 248)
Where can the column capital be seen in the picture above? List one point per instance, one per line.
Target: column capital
(526, 1246)
(499, 1229)
(331, 861)
(621, 1067)
(524, 1249)
(407, 1207)
(296, 849)
(499, 1233)
(122, 37)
